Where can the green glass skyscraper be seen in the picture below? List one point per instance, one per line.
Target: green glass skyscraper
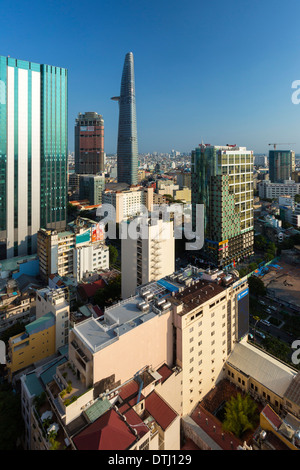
(33, 152)
(127, 150)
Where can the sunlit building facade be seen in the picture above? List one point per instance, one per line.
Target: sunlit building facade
(33, 152)
(222, 181)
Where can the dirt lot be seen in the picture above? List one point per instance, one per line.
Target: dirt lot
(284, 282)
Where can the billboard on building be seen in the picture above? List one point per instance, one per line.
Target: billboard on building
(243, 313)
(97, 233)
(83, 237)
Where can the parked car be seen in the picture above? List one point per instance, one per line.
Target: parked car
(259, 333)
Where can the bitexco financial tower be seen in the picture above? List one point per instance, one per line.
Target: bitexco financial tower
(127, 149)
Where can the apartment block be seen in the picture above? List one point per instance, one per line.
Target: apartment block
(44, 336)
(34, 344)
(128, 203)
(183, 179)
(73, 252)
(210, 316)
(147, 257)
(55, 301)
(189, 321)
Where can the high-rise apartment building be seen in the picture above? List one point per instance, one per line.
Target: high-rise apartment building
(127, 150)
(222, 181)
(33, 152)
(89, 143)
(281, 165)
(148, 257)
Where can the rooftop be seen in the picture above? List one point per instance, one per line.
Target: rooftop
(163, 414)
(197, 294)
(293, 391)
(40, 324)
(109, 432)
(266, 369)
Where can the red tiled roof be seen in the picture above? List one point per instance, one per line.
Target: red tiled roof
(97, 310)
(134, 421)
(129, 390)
(109, 432)
(271, 416)
(133, 400)
(124, 408)
(90, 289)
(213, 428)
(163, 414)
(165, 372)
(189, 445)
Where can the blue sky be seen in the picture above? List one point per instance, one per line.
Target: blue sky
(220, 71)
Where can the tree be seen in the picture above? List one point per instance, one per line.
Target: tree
(240, 415)
(113, 255)
(256, 286)
(11, 421)
(107, 295)
(297, 198)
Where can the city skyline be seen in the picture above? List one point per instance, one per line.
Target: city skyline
(225, 59)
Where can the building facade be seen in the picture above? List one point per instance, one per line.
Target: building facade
(33, 152)
(128, 203)
(89, 143)
(127, 148)
(149, 257)
(91, 188)
(281, 165)
(73, 252)
(269, 190)
(222, 181)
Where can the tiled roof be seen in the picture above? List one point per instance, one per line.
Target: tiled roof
(293, 391)
(163, 414)
(89, 290)
(136, 422)
(165, 372)
(109, 432)
(129, 390)
(272, 417)
(267, 370)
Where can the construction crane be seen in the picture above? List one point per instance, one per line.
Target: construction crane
(285, 143)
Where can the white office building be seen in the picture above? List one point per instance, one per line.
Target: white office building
(268, 190)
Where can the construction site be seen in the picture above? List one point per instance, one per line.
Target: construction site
(282, 278)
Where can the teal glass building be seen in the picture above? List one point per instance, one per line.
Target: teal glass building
(33, 152)
(281, 165)
(127, 149)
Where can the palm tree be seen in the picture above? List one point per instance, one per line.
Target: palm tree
(240, 415)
